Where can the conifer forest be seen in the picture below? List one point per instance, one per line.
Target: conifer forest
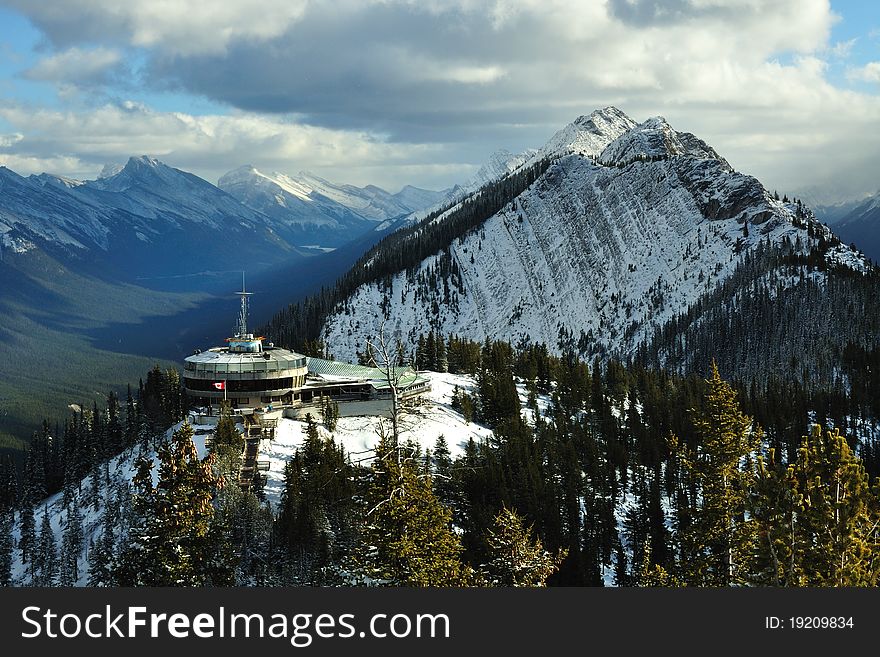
(609, 474)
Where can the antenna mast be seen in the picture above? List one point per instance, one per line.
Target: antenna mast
(243, 314)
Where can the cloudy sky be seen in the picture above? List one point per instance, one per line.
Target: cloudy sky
(422, 91)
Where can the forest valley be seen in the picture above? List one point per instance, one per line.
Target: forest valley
(628, 476)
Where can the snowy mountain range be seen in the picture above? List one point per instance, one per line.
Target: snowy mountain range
(629, 225)
(312, 210)
(147, 217)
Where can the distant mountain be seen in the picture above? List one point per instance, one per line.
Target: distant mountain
(309, 210)
(595, 243)
(144, 221)
(94, 271)
(861, 226)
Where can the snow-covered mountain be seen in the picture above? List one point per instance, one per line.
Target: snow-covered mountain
(144, 218)
(861, 226)
(316, 211)
(627, 227)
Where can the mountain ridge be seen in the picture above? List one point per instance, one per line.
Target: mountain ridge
(626, 228)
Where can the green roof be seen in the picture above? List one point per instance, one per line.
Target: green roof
(406, 376)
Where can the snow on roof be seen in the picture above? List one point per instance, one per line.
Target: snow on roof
(329, 370)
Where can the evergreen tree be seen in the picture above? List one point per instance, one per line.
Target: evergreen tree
(228, 445)
(442, 475)
(518, 558)
(114, 438)
(442, 357)
(5, 548)
(316, 506)
(172, 544)
(71, 546)
(409, 537)
(102, 552)
(838, 516)
(329, 413)
(46, 557)
(27, 542)
(716, 539)
(8, 484)
(131, 420)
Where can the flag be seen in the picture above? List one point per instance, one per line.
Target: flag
(220, 385)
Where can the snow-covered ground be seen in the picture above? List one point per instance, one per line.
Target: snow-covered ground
(424, 423)
(432, 417)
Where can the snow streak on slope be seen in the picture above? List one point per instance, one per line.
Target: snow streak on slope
(602, 249)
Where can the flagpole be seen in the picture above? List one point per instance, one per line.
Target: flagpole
(224, 389)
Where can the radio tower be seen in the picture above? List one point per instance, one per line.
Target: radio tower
(243, 314)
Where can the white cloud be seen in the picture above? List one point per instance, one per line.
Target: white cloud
(870, 72)
(378, 78)
(842, 49)
(77, 144)
(27, 164)
(74, 65)
(182, 27)
(7, 141)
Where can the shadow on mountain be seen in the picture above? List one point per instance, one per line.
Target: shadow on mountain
(177, 335)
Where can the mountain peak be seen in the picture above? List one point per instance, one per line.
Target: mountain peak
(499, 164)
(143, 161)
(110, 169)
(656, 138)
(61, 182)
(239, 174)
(589, 134)
(609, 114)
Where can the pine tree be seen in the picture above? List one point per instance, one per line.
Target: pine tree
(838, 516)
(71, 546)
(518, 558)
(653, 575)
(772, 505)
(717, 539)
(5, 548)
(441, 474)
(114, 430)
(102, 552)
(27, 542)
(8, 484)
(329, 413)
(421, 361)
(131, 420)
(316, 506)
(46, 557)
(172, 544)
(430, 358)
(442, 357)
(228, 445)
(409, 539)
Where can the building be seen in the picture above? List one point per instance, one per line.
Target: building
(256, 377)
(244, 372)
